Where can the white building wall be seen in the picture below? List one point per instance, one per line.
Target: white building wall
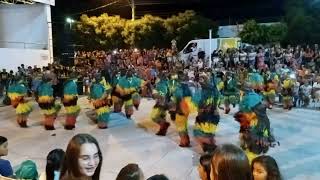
(11, 58)
(23, 26)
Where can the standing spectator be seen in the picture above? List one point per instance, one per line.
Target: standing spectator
(83, 159)
(252, 57)
(5, 166)
(243, 56)
(4, 81)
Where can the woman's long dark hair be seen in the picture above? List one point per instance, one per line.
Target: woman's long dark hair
(54, 162)
(229, 162)
(71, 165)
(205, 161)
(270, 165)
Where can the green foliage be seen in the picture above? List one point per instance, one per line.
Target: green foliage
(106, 32)
(302, 18)
(253, 33)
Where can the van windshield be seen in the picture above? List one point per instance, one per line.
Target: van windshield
(190, 48)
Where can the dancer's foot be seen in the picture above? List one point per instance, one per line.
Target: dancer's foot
(23, 124)
(184, 141)
(69, 127)
(227, 110)
(163, 129)
(49, 128)
(128, 116)
(103, 127)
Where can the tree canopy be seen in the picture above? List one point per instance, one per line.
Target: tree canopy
(107, 32)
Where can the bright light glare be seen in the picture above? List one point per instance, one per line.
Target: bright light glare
(135, 50)
(292, 76)
(69, 20)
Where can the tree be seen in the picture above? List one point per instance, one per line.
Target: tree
(302, 18)
(106, 32)
(187, 26)
(251, 32)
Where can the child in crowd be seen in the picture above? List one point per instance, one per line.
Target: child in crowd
(5, 166)
(265, 168)
(54, 164)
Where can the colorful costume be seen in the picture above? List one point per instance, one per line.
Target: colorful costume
(100, 95)
(182, 102)
(271, 85)
(137, 83)
(47, 104)
(122, 94)
(17, 93)
(207, 99)
(231, 93)
(158, 114)
(257, 81)
(255, 132)
(70, 98)
(287, 93)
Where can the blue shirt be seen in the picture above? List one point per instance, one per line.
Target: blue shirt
(5, 168)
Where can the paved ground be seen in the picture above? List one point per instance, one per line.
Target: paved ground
(128, 141)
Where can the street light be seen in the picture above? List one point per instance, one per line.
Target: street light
(70, 21)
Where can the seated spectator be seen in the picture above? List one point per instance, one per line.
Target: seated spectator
(158, 177)
(229, 162)
(5, 166)
(130, 172)
(83, 159)
(265, 168)
(27, 170)
(54, 163)
(204, 167)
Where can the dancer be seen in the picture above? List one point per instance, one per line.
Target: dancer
(183, 106)
(208, 114)
(161, 95)
(230, 92)
(70, 98)
(17, 93)
(137, 84)
(47, 103)
(271, 84)
(123, 94)
(255, 134)
(100, 96)
(287, 92)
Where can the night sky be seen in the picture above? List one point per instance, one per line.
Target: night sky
(223, 11)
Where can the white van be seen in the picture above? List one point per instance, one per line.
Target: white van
(194, 46)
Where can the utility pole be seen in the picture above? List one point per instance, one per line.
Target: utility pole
(133, 9)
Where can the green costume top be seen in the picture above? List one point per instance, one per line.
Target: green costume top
(70, 88)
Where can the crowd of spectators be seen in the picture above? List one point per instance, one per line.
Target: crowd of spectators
(82, 160)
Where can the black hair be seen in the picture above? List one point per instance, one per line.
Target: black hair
(54, 162)
(158, 177)
(3, 140)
